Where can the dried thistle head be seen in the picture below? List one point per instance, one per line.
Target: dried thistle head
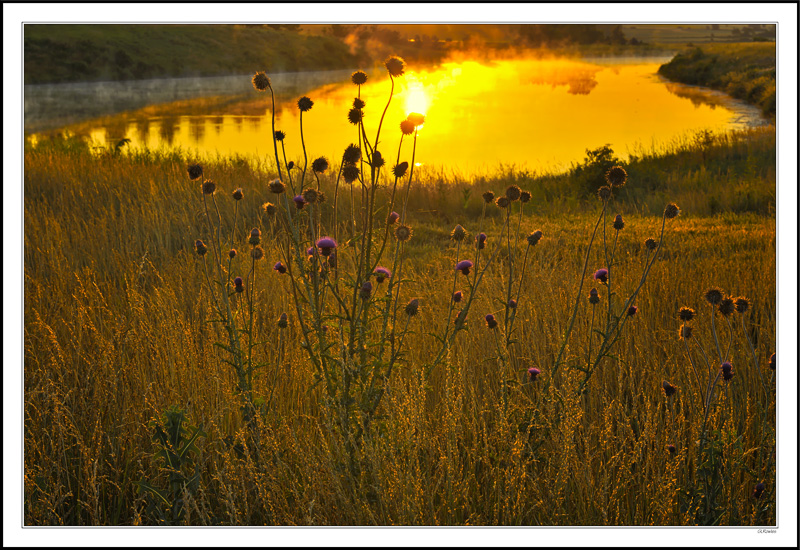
(524, 197)
(458, 234)
(407, 127)
(310, 195)
(488, 197)
(200, 247)
(195, 171)
(277, 186)
(604, 193)
(352, 154)
(261, 82)
(594, 296)
(502, 202)
(270, 209)
(412, 308)
(534, 238)
(616, 176)
(355, 116)
(685, 332)
(491, 322)
(350, 173)
(238, 194)
(283, 321)
(669, 389)
(209, 187)
(232, 253)
(671, 210)
(618, 222)
(403, 232)
(305, 104)
(320, 164)
(280, 136)
(257, 253)
(359, 78)
(400, 170)
(513, 193)
(417, 119)
(650, 244)
(359, 103)
(686, 314)
(713, 296)
(727, 306)
(395, 65)
(742, 304)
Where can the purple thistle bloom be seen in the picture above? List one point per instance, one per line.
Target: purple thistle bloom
(512, 303)
(481, 238)
(490, 321)
(393, 217)
(464, 266)
(669, 389)
(457, 296)
(534, 372)
(299, 201)
(366, 291)
(759, 490)
(381, 274)
(239, 284)
(601, 275)
(727, 371)
(325, 245)
(671, 449)
(279, 267)
(632, 311)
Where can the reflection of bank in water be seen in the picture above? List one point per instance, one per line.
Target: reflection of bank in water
(743, 113)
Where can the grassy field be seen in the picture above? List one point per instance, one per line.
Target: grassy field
(118, 329)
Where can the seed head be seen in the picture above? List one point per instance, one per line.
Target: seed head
(403, 232)
(617, 176)
(650, 244)
(381, 274)
(261, 82)
(350, 173)
(671, 449)
(407, 127)
(359, 78)
(618, 223)
(416, 119)
(355, 116)
(377, 159)
(742, 304)
(686, 314)
(320, 164)
(412, 307)
(727, 306)
(299, 201)
(594, 296)
(758, 490)
(232, 253)
(238, 284)
(305, 104)
(604, 193)
(400, 169)
(283, 321)
(533, 372)
(513, 193)
(772, 362)
(200, 247)
(502, 202)
(280, 268)
(601, 275)
(195, 171)
(352, 154)
(279, 136)
(458, 233)
(464, 266)
(209, 187)
(669, 389)
(276, 186)
(491, 322)
(290, 165)
(671, 210)
(358, 103)
(713, 296)
(534, 238)
(310, 195)
(727, 371)
(395, 65)
(392, 218)
(632, 311)
(326, 245)
(685, 332)
(525, 196)
(269, 208)
(255, 236)
(257, 253)
(457, 296)
(238, 194)
(481, 240)
(366, 290)
(488, 197)
(512, 304)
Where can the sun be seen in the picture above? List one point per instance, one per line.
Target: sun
(416, 99)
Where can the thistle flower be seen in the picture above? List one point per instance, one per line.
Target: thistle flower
(524, 196)
(491, 322)
(601, 275)
(255, 236)
(238, 194)
(618, 223)
(512, 304)
(395, 65)
(742, 304)
(671, 210)
(310, 252)
(209, 187)
(726, 306)
(458, 233)
(604, 193)
(727, 371)
(232, 253)
(513, 193)
(358, 103)
(257, 253)
(464, 266)
(359, 78)
(299, 201)
(355, 116)
(686, 314)
(279, 136)
(502, 202)
(403, 232)
(669, 389)
(481, 240)
(594, 296)
(534, 238)
(616, 176)
(366, 290)
(533, 372)
(758, 490)
(381, 274)
(195, 171)
(310, 195)
(290, 165)
(320, 164)
(261, 82)
(305, 104)
(685, 332)
(350, 173)
(407, 127)
(280, 268)
(772, 362)
(276, 186)
(488, 197)
(671, 449)
(457, 296)
(713, 296)
(352, 154)
(416, 119)
(412, 307)
(377, 159)
(200, 247)
(283, 321)
(400, 170)
(650, 244)
(393, 217)
(632, 311)
(326, 245)
(238, 284)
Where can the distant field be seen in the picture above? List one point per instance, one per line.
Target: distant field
(698, 34)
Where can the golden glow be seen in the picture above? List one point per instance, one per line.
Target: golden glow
(535, 114)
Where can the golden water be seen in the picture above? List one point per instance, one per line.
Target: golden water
(538, 114)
